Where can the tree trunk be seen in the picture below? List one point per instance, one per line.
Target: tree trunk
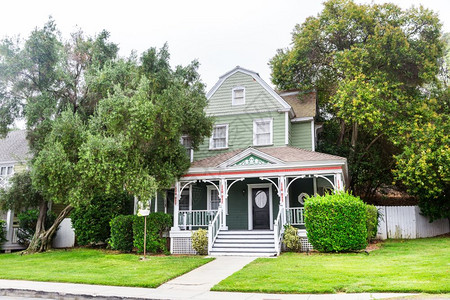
(42, 239)
(341, 133)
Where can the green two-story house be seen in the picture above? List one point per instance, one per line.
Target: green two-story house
(250, 177)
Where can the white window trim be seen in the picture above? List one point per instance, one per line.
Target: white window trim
(232, 95)
(191, 151)
(226, 138)
(255, 127)
(209, 188)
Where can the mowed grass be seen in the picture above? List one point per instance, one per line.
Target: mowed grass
(97, 267)
(421, 265)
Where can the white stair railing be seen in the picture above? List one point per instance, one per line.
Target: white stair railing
(214, 228)
(278, 229)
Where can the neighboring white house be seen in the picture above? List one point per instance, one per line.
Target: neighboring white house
(14, 153)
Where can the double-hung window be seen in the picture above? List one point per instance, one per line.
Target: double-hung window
(219, 138)
(187, 143)
(213, 198)
(238, 96)
(263, 132)
(5, 173)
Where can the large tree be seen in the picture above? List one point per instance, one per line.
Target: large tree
(373, 67)
(39, 79)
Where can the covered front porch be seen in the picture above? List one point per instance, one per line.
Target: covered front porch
(250, 191)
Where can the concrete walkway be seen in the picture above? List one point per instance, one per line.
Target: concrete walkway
(205, 277)
(194, 285)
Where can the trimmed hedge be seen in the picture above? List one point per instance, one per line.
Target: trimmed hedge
(2, 231)
(91, 222)
(336, 222)
(122, 233)
(157, 224)
(371, 222)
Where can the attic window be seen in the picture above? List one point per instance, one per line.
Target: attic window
(238, 96)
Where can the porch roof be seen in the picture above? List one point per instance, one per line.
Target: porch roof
(287, 154)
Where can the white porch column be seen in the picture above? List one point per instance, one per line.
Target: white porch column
(176, 202)
(9, 225)
(338, 182)
(282, 195)
(223, 202)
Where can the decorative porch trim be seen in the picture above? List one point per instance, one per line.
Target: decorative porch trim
(276, 171)
(250, 203)
(247, 152)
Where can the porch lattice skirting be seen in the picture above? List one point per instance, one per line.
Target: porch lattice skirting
(182, 245)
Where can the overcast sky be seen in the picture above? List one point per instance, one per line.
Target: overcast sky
(221, 35)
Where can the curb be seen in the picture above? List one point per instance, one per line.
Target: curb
(64, 296)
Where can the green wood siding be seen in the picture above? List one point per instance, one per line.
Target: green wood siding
(256, 97)
(301, 135)
(19, 168)
(240, 132)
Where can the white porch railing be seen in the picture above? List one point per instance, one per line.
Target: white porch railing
(278, 229)
(15, 239)
(214, 227)
(195, 218)
(294, 216)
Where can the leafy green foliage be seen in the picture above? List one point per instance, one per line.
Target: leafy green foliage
(199, 240)
(424, 164)
(92, 222)
(27, 224)
(157, 224)
(336, 223)
(291, 238)
(122, 233)
(371, 222)
(2, 231)
(374, 67)
(21, 194)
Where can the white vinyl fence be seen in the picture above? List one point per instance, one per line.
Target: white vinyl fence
(65, 235)
(406, 222)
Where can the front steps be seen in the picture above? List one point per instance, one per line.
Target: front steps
(244, 243)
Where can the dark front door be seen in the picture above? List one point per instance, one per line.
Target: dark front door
(261, 214)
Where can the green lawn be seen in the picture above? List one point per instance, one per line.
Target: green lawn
(97, 267)
(421, 265)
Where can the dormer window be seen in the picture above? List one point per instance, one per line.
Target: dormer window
(219, 138)
(238, 96)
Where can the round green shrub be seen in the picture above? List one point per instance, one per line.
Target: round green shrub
(2, 231)
(157, 224)
(122, 233)
(291, 238)
(91, 222)
(200, 241)
(371, 222)
(336, 222)
(27, 224)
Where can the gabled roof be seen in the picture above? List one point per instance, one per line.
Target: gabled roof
(255, 76)
(282, 155)
(303, 104)
(14, 147)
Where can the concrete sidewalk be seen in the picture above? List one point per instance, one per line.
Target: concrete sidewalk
(53, 290)
(194, 285)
